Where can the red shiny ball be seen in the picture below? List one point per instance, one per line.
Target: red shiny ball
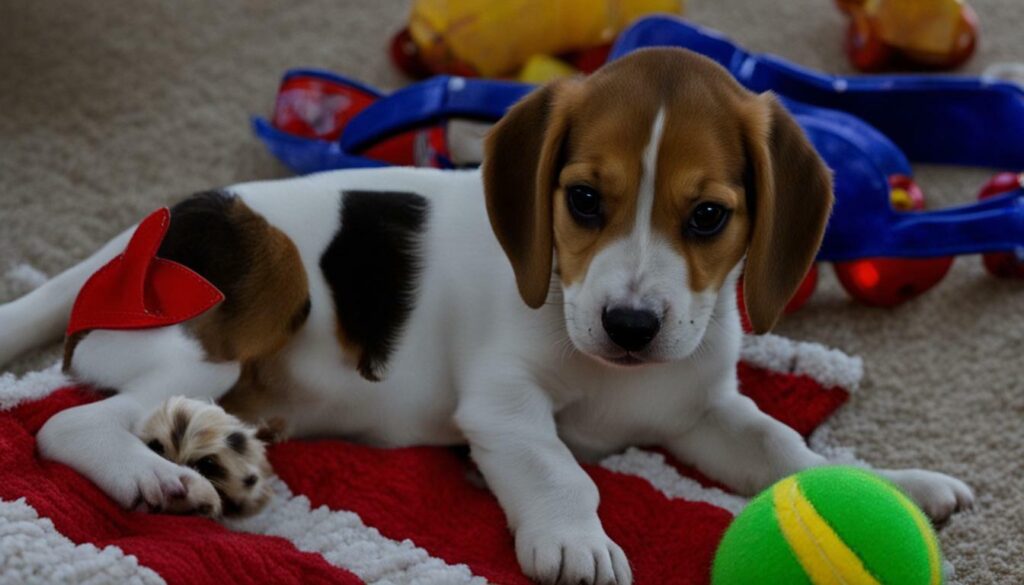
(888, 282)
(1003, 264)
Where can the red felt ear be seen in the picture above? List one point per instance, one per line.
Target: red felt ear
(137, 290)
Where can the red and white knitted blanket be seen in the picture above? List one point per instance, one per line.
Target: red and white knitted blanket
(345, 513)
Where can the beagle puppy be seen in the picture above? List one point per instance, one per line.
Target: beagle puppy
(575, 296)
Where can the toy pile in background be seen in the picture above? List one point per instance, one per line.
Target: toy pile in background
(885, 247)
(909, 34)
(530, 40)
(535, 41)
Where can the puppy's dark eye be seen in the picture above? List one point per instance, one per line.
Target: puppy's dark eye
(584, 205)
(156, 446)
(707, 219)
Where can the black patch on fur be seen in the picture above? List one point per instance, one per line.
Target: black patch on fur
(228, 506)
(205, 237)
(372, 267)
(178, 428)
(209, 467)
(237, 442)
(156, 446)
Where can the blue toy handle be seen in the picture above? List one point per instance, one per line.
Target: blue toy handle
(995, 224)
(992, 225)
(297, 152)
(437, 98)
(934, 119)
(940, 120)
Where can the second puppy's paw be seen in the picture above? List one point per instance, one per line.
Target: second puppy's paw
(162, 486)
(225, 453)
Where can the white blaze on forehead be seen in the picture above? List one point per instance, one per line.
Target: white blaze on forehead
(645, 196)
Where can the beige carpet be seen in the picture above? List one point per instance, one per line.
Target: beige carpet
(109, 109)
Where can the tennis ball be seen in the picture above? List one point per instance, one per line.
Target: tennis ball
(829, 526)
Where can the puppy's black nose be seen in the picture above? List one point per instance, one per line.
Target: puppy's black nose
(630, 329)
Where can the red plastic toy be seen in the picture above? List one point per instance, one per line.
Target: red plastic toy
(887, 282)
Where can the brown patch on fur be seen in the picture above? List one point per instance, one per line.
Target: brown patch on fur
(601, 156)
(261, 390)
(70, 343)
(720, 144)
(701, 160)
(268, 306)
(253, 263)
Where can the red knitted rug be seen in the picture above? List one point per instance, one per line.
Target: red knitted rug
(345, 513)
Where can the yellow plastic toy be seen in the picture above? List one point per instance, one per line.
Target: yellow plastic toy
(497, 37)
(541, 69)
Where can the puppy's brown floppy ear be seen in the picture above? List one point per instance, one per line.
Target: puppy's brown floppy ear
(791, 201)
(521, 159)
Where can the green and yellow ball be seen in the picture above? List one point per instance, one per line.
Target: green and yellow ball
(829, 526)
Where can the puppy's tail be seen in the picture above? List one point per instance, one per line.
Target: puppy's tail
(42, 315)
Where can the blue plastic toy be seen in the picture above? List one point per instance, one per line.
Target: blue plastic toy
(862, 126)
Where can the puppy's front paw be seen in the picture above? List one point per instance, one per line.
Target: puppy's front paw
(566, 555)
(939, 495)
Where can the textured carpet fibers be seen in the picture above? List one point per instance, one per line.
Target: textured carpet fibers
(109, 109)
